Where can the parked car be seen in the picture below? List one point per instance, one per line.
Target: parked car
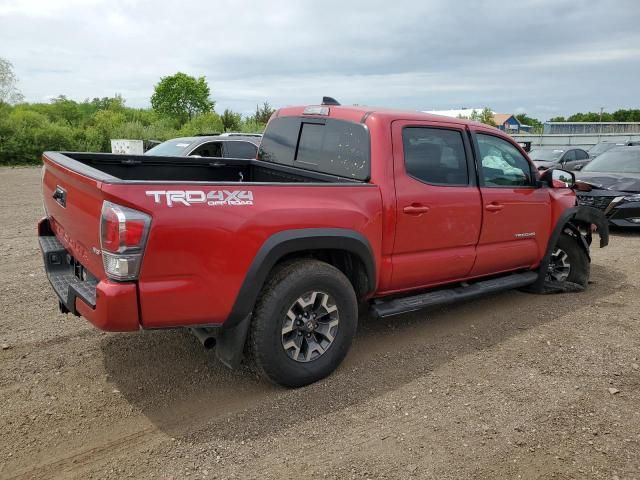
(567, 158)
(611, 183)
(602, 147)
(344, 206)
(225, 145)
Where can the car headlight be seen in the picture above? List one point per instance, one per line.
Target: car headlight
(632, 198)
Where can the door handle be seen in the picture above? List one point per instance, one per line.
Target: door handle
(415, 209)
(60, 195)
(494, 207)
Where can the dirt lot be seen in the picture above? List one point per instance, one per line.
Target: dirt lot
(512, 386)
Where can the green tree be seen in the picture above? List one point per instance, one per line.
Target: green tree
(66, 110)
(231, 121)
(527, 120)
(181, 96)
(486, 117)
(558, 119)
(263, 114)
(9, 92)
(103, 125)
(205, 123)
(108, 103)
(249, 125)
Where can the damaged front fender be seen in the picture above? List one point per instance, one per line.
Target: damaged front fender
(578, 220)
(592, 216)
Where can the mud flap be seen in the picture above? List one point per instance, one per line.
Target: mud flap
(230, 343)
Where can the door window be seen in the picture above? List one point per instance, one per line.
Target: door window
(570, 156)
(502, 164)
(435, 155)
(238, 149)
(211, 149)
(581, 155)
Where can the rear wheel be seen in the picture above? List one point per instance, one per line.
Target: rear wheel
(303, 323)
(568, 267)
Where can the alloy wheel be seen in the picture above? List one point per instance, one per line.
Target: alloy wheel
(559, 266)
(310, 326)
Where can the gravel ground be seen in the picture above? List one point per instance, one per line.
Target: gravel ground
(510, 386)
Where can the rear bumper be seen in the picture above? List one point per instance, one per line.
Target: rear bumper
(110, 306)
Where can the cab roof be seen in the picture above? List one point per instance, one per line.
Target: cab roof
(360, 113)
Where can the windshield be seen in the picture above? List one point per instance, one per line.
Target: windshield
(546, 155)
(601, 148)
(170, 148)
(617, 161)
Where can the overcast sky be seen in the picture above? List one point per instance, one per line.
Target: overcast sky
(545, 57)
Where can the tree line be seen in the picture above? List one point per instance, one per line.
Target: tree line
(181, 105)
(622, 115)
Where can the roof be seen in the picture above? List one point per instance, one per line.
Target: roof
(500, 118)
(224, 138)
(358, 113)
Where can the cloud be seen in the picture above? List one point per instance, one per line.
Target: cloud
(543, 57)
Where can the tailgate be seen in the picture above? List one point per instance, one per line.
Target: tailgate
(73, 203)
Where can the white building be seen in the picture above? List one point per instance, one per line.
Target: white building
(464, 112)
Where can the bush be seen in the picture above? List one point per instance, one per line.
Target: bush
(28, 129)
(204, 123)
(24, 135)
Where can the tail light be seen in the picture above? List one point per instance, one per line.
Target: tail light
(123, 237)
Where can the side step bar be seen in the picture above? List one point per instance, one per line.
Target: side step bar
(397, 306)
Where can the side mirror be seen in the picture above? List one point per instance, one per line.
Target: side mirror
(558, 178)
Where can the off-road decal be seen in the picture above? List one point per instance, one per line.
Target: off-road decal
(212, 198)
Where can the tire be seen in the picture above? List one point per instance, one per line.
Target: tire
(567, 254)
(297, 337)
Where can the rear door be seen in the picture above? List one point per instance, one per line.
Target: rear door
(516, 211)
(582, 158)
(568, 159)
(438, 208)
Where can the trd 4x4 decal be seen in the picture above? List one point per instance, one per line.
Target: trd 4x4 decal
(212, 198)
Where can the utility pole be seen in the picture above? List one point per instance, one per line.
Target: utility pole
(600, 133)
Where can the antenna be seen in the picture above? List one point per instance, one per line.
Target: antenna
(329, 101)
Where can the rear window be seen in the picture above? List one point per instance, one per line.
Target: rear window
(171, 148)
(327, 145)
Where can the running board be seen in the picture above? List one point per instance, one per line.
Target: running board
(397, 306)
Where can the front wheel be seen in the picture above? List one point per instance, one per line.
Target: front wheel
(303, 323)
(568, 267)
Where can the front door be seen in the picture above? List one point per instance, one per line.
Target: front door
(438, 207)
(516, 212)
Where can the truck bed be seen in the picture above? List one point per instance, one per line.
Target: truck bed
(190, 242)
(111, 168)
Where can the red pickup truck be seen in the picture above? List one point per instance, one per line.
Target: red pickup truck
(343, 208)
